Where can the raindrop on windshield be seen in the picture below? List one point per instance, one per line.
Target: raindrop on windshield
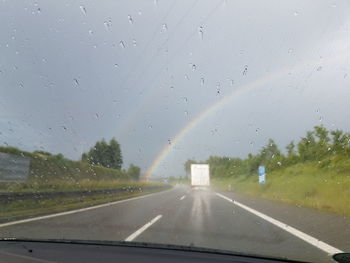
(319, 68)
(201, 32)
(108, 24)
(186, 77)
(131, 21)
(202, 81)
(134, 43)
(296, 13)
(320, 119)
(245, 70)
(194, 67)
(21, 85)
(97, 116)
(186, 113)
(64, 128)
(116, 65)
(76, 81)
(218, 89)
(169, 141)
(121, 44)
(91, 32)
(164, 27)
(150, 126)
(290, 51)
(185, 99)
(83, 9)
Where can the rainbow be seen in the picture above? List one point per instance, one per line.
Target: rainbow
(205, 113)
(215, 106)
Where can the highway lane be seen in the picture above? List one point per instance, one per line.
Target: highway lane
(183, 217)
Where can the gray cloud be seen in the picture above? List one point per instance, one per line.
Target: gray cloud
(72, 73)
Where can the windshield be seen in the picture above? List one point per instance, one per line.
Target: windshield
(207, 124)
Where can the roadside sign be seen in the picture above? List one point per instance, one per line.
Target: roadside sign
(262, 174)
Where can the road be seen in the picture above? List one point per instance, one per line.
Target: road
(200, 218)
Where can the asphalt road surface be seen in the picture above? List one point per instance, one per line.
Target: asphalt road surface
(202, 218)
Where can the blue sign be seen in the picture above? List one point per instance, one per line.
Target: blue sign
(262, 174)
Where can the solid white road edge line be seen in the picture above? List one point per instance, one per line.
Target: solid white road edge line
(307, 238)
(142, 229)
(77, 211)
(183, 197)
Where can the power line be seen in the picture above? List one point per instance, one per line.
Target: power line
(179, 49)
(186, 41)
(137, 60)
(155, 55)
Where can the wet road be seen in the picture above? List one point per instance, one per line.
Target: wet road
(202, 218)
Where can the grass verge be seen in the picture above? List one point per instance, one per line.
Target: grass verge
(61, 185)
(27, 208)
(307, 184)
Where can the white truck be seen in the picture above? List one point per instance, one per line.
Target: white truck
(200, 175)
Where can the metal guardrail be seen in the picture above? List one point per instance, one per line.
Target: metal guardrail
(16, 196)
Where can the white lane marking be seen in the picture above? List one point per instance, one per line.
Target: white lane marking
(76, 211)
(183, 197)
(142, 229)
(307, 238)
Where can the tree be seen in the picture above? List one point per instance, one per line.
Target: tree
(322, 145)
(306, 147)
(104, 154)
(292, 156)
(269, 152)
(84, 157)
(317, 145)
(188, 166)
(290, 148)
(134, 172)
(339, 141)
(115, 154)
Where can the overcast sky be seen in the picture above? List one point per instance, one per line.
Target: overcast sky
(73, 72)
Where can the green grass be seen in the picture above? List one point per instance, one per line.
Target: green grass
(68, 185)
(46, 167)
(48, 172)
(324, 186)
(25, 208)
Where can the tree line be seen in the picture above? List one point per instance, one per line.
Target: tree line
(109, 155)
(318, 145)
